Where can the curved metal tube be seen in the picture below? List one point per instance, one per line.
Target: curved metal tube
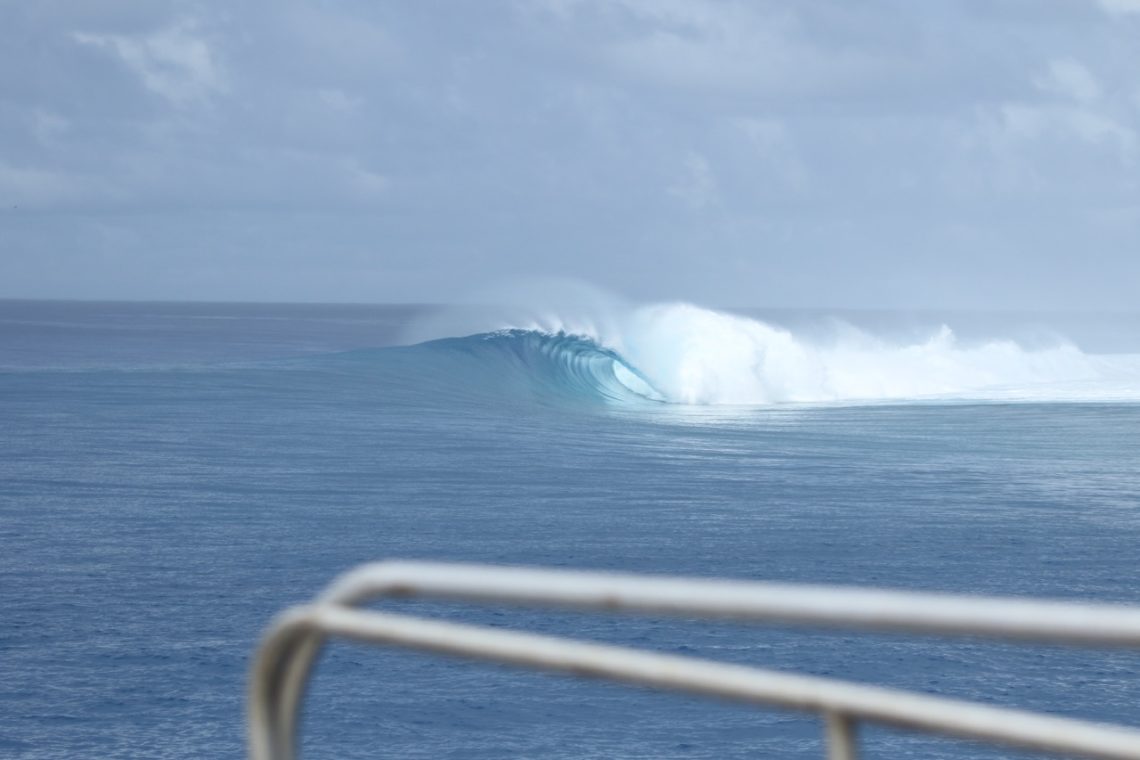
(293, 642)
(752, 601)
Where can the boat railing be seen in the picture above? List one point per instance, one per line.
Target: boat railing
(286, 655)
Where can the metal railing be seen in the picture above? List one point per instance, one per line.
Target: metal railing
(289, 648)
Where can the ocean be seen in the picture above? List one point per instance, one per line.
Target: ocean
(172, 475)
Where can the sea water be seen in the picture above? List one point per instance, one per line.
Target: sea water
(172, 475)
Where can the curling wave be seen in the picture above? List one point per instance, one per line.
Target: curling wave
(557, 364)
(683, 354)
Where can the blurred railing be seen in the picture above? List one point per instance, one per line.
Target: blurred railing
(289, 648)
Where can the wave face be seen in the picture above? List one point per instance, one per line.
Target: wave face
(557, 364)
(683, 354)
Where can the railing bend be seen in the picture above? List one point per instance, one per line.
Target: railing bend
(289, 648)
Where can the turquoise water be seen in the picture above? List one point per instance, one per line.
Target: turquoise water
(173, 475)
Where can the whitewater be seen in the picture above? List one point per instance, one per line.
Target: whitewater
(680, 353)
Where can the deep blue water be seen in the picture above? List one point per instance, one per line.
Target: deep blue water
(173, 475)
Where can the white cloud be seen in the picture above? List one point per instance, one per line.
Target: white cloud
(1080, 116)
(1120, 7)
(175, 63)
(1085, 125)
(1069, 78)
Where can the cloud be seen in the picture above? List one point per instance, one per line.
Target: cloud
(1067, 135)
(175, 62)
(1067, 123)
(727, 46)
(1082, 116)
(1069, 78)
(543, 129)
(1120, 7)
(364, 183)
(697, 186)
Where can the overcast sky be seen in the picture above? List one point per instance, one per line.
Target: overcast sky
(873, 154)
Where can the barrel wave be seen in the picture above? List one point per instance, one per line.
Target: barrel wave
(684, 354)
(556, 365)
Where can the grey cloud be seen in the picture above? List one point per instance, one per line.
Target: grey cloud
(875, 154)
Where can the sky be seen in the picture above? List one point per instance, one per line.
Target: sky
(967, 155)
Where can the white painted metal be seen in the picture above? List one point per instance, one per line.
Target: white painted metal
(291, 645)
(833, 606)
(841, 737)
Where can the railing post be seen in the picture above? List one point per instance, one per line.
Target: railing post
(840, 731)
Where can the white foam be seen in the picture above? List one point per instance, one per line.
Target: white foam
(693, 355)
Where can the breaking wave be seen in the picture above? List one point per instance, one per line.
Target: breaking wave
(684, 354)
